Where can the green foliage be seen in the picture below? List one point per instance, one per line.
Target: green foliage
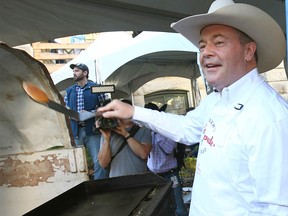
(89, 161)
(190, 163)
(187, 174)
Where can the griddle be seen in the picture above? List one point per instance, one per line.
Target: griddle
(141, 195)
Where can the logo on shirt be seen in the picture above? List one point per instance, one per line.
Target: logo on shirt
(208, 132)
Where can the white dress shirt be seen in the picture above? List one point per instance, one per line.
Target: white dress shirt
(242, 165)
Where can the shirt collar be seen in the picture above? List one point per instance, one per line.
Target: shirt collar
(242, 88)
(81, 86)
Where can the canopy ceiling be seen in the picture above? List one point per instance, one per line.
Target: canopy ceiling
(27, 21)
(130, 63)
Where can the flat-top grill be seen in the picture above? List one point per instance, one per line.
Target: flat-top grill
(145, 194)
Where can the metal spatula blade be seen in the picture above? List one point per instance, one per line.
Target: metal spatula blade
(41, 97)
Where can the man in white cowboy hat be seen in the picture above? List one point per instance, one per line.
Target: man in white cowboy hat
(242, 126)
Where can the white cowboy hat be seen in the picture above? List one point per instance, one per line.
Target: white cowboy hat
(257, 24)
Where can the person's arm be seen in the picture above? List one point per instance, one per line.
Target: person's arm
(104, 155)
(142, 150)
(184, 129)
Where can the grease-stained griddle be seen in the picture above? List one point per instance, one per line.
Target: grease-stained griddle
(145, 194)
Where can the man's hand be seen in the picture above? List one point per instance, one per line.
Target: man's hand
(117, 109)
(121, 130)
(106, 134)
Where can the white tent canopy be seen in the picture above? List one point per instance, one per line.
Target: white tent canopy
(143, 44)
(152, 47)
(27, 21)
(106, 42)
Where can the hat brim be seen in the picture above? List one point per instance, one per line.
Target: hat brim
(72, 66)
(84, 67)
(262, 28)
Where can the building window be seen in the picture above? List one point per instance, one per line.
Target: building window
(177, 101)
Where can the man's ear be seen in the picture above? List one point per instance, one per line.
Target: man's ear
(85, 73)
(250, 51)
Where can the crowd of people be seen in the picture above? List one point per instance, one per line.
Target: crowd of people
(126, 149)
(241, 127)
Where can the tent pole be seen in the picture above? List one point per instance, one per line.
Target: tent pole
(193, 89)
(97, 72)
(208, 87)
(131, 93)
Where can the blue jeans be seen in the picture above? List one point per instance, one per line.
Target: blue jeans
(92, 144)
(181, 209)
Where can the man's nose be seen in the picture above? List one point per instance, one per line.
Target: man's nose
(207, 51)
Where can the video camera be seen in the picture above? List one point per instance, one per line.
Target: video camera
(104, 123)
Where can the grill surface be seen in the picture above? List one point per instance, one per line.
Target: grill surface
(145, 194)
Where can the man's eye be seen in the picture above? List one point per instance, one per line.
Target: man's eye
(219, 43)
(201, 47)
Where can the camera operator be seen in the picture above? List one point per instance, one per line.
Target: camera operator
(122, 151)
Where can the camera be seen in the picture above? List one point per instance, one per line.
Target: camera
(104, 123)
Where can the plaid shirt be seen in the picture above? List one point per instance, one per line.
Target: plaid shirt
(79, 98)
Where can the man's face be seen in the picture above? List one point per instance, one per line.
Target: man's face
(222, 56)
(78, 74)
